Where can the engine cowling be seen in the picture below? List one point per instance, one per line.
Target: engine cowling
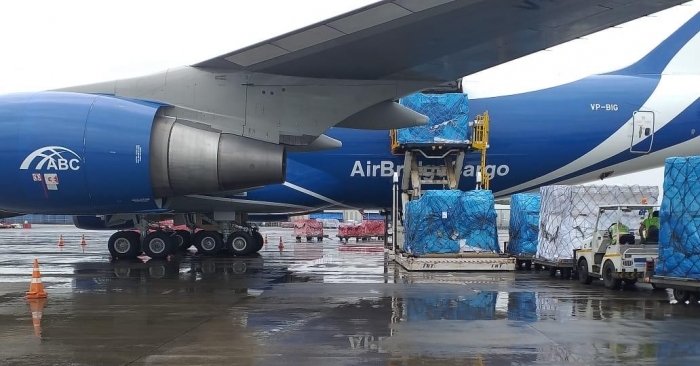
(74, 153)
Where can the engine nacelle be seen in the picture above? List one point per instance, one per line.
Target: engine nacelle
(85, 154)
(187, 158)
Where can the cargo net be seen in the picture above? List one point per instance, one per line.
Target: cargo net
(448, 119)
(309, 227)
(368, 228)
(450, 222)
(524, 223)
(679, 219)
(568, 214)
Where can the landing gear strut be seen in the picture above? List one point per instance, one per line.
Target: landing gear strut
(154, 242)
(214, 238)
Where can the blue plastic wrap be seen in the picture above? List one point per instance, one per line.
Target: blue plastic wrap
(522, 306)
(448, 118)
(481, 306)
(524, 223)
(681, 349)
(451, 221)
(679, 218)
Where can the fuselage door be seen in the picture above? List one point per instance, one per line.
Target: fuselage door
(642, 132)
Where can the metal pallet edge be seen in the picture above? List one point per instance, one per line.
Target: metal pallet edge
(473, 263)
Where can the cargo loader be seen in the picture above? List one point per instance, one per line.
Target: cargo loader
(430, 228)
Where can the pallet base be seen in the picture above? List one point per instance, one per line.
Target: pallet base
(309, 238)
(455, 263)
(359, 238)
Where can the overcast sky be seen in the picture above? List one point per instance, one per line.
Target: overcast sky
(50, 44)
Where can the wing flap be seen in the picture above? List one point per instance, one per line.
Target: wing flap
(436, 40)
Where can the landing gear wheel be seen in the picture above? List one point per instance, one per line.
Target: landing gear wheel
(208, 242)
(241, 243)
(182, 239)
(157, 245)
(608, 279)
(583, 276)
(260, 241)
(681, 295)
(124, 245)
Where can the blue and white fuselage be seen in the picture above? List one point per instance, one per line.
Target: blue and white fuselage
(193, 140)
(619, 101)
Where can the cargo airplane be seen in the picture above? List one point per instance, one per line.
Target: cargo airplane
(300, 123)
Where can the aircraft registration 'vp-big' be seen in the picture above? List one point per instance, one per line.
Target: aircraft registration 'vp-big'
(301, 122)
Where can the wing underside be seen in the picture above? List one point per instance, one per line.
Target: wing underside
(438, 40)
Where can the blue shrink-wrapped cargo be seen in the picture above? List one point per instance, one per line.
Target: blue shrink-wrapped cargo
(448, 119)
(451, 221)
(524, 223)
(522, 306)
(679, 219)
(481, 306)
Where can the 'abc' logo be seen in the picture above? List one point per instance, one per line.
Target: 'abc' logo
(52, 158)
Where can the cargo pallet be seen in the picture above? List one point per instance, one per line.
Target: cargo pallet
(522, 261)
(683, 287)
(456, 262)
(309, 238)
(359, 238)
(564, 266)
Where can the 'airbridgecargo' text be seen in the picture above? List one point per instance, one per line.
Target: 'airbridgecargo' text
(386, 168)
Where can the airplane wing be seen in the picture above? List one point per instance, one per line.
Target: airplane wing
(431, 40)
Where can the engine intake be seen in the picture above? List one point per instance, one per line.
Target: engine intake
(188, 158)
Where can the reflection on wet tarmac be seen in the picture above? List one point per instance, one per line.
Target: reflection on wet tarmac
(317, 303)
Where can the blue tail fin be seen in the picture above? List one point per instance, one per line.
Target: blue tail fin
(656, 61)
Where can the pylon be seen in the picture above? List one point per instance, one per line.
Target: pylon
(60, 241)
(82, 242)
(281, 246)
(265, 238)
(36, 306)
(36, 288)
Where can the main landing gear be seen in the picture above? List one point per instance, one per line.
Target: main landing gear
(209, 239)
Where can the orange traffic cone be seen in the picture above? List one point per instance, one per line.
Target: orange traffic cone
(60, 241)
(82, 242)
(36, 306)
(36, 288)
(265, 238)
(281, 246)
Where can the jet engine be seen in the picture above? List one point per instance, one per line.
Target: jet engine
(98, 154)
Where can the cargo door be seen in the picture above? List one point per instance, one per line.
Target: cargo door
(642, 132)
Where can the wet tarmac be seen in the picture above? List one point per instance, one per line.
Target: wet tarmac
(317, 304)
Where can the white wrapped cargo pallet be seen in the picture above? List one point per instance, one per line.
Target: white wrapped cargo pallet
(568, 214)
